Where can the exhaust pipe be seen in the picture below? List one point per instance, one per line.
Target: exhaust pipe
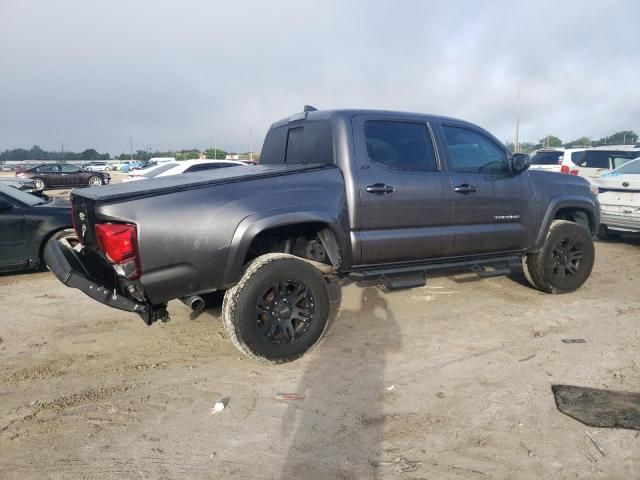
(195, 302)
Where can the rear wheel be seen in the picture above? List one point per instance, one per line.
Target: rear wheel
(40, 185)
(95, 181)
(278, 310)
(565, 261)
(604, 233)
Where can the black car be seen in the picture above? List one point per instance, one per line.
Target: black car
(63, 176)
(27, 222)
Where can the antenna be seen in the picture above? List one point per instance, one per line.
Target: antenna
(516, 143)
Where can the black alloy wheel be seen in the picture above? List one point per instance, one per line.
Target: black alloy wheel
(284, 311)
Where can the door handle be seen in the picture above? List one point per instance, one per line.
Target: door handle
(465, 188)
(380, 189)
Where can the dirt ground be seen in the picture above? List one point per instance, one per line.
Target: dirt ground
(452, 380)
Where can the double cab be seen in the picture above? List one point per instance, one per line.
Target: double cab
(373, 195)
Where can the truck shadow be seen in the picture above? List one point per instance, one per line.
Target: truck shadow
(337, 430)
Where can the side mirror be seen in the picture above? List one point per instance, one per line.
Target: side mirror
(5, 206)
(521, 161)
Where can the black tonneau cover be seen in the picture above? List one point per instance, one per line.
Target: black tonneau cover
(188, 181)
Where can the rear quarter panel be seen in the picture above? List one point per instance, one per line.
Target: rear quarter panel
(185, 237)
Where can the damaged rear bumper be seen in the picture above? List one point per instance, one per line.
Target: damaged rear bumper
(67, 266)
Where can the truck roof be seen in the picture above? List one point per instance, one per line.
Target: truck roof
(351, 112)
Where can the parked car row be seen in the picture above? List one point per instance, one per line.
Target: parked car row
(583, 161)
(29, 218)
(176, 168)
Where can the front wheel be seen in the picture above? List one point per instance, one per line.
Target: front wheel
(565, 261)
(95, 181)
(278, 310)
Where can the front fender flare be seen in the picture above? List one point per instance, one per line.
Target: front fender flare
(560, 202)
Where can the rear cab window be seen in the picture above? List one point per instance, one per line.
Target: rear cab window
(307, 141)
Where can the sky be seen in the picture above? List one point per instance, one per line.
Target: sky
(190, 73)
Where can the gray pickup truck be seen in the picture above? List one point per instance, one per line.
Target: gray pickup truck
(372, 195)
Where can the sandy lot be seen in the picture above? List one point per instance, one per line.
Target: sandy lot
(447, 381)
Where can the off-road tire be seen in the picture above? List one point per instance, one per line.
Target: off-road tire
(240, 304)
(541, 266)
(604, 233)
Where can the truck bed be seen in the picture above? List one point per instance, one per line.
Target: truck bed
(187, 181)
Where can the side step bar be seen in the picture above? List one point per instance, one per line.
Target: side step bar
(402, 281)
(409, 276)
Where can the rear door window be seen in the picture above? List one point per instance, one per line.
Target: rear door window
(400, 145)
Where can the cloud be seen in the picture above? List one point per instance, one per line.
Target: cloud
(181, 74)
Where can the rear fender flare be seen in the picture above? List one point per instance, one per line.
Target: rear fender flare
(250, 227)
(566, 201)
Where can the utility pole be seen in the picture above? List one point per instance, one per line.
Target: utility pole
(516, 142)
(131, 148)
(251, 148)
(63, 153)
(215, 148)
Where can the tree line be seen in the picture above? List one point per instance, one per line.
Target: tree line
(623, 137)
(38, 154)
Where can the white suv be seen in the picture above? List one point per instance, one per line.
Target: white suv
(559, 159)
(595, 161)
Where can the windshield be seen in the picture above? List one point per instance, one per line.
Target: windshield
(631, 167)
(547, 158)
(160, 169)
(20, 196)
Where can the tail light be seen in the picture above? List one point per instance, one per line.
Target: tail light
(574, 172)
(564, 169)
(119, 242)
